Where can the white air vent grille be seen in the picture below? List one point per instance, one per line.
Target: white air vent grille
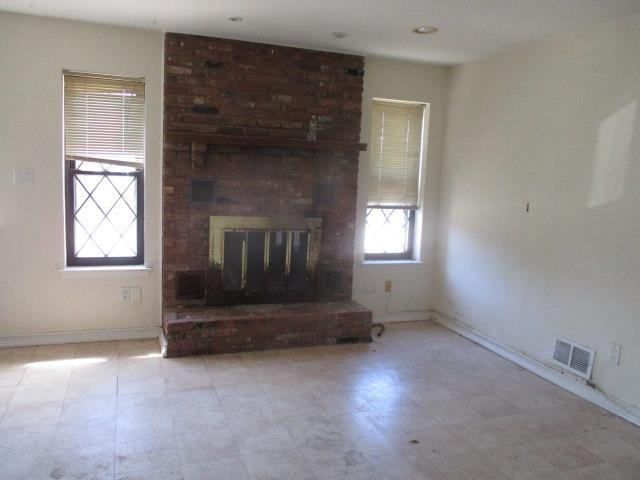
(574, 357)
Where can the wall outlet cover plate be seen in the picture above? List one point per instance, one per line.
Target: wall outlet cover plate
(22, 177)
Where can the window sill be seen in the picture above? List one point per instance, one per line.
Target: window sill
(127, 271)
(366, 263)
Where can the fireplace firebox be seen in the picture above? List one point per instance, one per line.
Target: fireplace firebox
(263, 259)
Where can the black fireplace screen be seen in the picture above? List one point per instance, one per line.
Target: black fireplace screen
(265, 261)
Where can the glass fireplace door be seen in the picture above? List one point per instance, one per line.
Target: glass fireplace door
(269, 261)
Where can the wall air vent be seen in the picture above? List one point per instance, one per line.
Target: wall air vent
(574, 357)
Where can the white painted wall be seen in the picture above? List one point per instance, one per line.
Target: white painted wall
(34, 296)
(398, 80)
(556, 124)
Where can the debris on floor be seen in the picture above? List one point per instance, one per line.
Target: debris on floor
(380, 326)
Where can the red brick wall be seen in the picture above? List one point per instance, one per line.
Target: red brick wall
(231, 87)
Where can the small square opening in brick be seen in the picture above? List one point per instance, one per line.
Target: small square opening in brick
(324, 194)
(202, 190)
(189, 285)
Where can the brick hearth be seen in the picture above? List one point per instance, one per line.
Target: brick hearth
(206, 330)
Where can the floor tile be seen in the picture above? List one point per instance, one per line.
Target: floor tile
(334, 458)
(198, 419)
(565, 454)
(82, 387)
(239, 392)
(603, 471)
(228, 375)
(84, 431)
(434, 442)
(280, 465)
(263, 437)
(170, 473)
(482, 434)
(225, 469)
(95, 460)
(40, 392)
(89, 408)
(492, 406)
(400, 468)
(6, 394)
(519, 462)
(607, 444)
(204, 445)
(525, 427)
(250, 412)
(146, 453)
(629, 465)
(178, 380)
(28, 414)
(467, 466)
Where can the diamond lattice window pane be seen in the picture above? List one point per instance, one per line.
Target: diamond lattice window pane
(105, 195)
(106, 237)
(387, 230)
(89, 249)
(122, 248)
(121, 183)
(130, 237)
(89, 182)
(105, 215)
(89, 216)
(121, 216)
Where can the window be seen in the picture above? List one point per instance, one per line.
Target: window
(394, 179)
(104, 118)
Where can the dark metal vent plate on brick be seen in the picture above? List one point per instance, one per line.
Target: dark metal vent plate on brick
(189, 285)
(324, 195)
(202, 190)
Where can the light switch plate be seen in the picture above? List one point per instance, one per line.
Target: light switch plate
(22, 178)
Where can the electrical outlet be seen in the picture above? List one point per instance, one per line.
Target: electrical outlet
(22, 178)
(125, 295)
(614, 353)
(131, 294)
(387, 286)
(135, 295)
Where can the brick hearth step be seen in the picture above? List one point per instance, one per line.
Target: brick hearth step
(205, 330)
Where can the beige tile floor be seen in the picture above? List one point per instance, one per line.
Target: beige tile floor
(418, 403)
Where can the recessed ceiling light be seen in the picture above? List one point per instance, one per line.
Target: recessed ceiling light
(339, 34)
(235, 19)
(425, 30)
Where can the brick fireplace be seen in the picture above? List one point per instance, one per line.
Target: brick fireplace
(237, 150)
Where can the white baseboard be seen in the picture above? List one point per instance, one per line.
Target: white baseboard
(401, 317)
(625, 410)
(79, 336)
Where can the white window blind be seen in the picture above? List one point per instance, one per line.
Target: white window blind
(396, 143)
(104, 119)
